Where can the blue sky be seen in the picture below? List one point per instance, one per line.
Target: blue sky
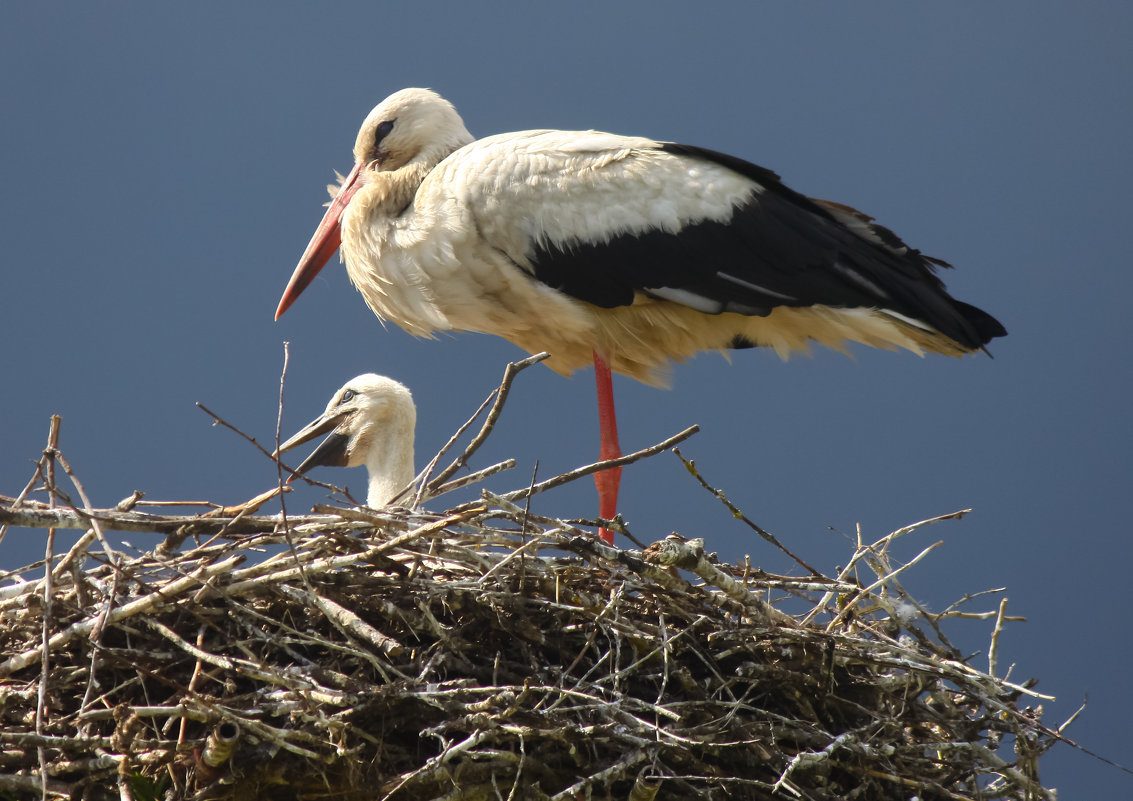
(163, 168)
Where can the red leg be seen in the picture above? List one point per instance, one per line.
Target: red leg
(607, 481)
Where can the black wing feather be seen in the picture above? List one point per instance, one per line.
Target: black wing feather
(779, 249)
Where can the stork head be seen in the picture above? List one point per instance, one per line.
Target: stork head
(413, 125)
(367, 410)
(407, 125)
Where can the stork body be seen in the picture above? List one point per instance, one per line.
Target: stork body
(371, 422)
(624, 251)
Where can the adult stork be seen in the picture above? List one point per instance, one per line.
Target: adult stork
(371, 421)
(619, 250)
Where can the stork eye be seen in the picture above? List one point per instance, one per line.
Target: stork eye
(383, 131)
(348, 395)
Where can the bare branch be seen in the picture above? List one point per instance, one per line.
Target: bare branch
(736, 513)
(590, 469)
(500, 393)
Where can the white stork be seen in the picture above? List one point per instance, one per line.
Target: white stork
(371, 421)
(617, 249)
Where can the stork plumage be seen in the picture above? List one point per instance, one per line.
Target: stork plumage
(620, 250)
(371, 421)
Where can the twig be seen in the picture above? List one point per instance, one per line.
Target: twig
(685, 554)
(86, 626)
(420, 483)
(255, 576)
(863, 552)
(346, 620)
(218, 420)
(111, 555)
(501, 393)
(19, 499)
(581, 472)
(154, 524)
(96, 639)
(993, 650)
(736, 513)
(194, 681)
(1072, 718)
(614, 771)
(275, 453)
(882, 580)
(49, 455)
(472, 478)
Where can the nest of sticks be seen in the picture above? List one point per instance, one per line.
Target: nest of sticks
(484, 652)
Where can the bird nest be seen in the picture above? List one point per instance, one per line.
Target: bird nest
(485, 652)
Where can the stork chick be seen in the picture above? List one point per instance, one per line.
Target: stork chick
(371, 421)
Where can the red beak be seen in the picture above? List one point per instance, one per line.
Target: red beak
(327, 238)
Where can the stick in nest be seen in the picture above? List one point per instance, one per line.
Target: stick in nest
(427, 486)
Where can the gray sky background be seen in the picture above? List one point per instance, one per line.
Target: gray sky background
(162, 169)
